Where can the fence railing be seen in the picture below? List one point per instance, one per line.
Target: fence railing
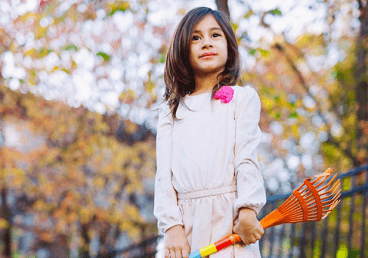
(341, 235)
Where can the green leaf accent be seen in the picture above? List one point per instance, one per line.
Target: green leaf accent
(105, 56)
(293, 115)
(122, 7)
(252, 51)
(263, 52)
(248, 14)
(275, 12)
(71, 47)
(162, 59)
(334, 75)
(234, 25)
(44, 51)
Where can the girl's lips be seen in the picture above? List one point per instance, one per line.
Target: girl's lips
(208, 55)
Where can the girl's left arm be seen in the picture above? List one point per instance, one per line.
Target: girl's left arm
(250, 185)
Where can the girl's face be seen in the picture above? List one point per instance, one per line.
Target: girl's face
(208, 47)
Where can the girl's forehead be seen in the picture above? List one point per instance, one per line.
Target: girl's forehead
(207, 23)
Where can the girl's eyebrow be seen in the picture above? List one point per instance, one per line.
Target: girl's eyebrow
(213, 28)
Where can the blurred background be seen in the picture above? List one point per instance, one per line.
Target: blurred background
(80, 82)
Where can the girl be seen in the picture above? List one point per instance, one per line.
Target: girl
(208, 181)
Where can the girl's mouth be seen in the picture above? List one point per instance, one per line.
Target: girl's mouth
(208, 55)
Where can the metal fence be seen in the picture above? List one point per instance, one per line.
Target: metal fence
(341, 235)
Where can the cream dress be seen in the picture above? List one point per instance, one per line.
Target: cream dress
(207, 168)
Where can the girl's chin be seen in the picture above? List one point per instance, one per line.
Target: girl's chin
(210, 70)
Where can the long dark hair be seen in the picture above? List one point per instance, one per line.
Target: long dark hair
(178, 75)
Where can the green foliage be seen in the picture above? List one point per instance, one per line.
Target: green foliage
(105, 56)
(317, 249)
(275, 12)
(252, 52)
(248, 14)
(44, 51)
(121, 6)
(162, 59)
(71, 47)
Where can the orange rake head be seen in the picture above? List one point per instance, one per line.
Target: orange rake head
(312, 201)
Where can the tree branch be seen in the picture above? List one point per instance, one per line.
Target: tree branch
(223, 6)
(360, 4)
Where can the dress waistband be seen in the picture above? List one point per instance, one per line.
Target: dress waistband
(208, 192)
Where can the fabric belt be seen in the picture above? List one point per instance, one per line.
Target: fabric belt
(208, 192)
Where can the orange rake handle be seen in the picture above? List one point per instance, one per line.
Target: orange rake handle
(222, 243)
(305, 204)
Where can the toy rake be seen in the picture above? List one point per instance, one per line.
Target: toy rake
(312, 201)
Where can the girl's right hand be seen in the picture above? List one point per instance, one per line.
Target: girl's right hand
(176, 243)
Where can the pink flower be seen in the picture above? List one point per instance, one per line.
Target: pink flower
(225, 94)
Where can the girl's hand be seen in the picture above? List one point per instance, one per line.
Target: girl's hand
(248, 227)
(176, 243)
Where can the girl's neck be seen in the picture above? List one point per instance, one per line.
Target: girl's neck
(204, 83)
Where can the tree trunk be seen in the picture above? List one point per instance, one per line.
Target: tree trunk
(222, 6)
(84, 253)
(361, 91)
(7, 217)
(60, 247)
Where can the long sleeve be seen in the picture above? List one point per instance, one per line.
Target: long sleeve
(250, 185)
(166, 208)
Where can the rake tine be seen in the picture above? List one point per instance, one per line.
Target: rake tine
(331, 193)
(324, 175)
(316, 181)
(324, 187)
(335, 186)
(331, 208)
(330, 201)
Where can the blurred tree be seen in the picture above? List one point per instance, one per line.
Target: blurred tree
(80, 176)
(361, 91)
(310, 108)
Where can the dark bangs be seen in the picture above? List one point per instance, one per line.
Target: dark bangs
(178, 75)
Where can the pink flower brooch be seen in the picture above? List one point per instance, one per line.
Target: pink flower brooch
(225, 94)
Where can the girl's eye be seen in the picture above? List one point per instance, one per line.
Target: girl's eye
(216, 35)
(195, 38)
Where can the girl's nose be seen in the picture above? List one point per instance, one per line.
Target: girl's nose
(207, 42)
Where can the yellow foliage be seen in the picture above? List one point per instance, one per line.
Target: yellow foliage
(30, 52)
(40, 32)
(39, 205)
(59, 213)
(267, 103)
(85, 214)
(116, 217)
(295, 130)
(29, 15)
(99, 182)
(3, 223)
(132, 212)
(18, 178)
(101, 127)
